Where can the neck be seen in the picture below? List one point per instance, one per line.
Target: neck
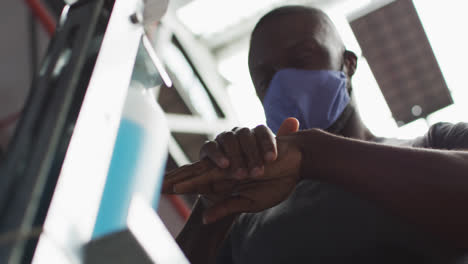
(356, 129)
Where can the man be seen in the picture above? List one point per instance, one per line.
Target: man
(332, 193)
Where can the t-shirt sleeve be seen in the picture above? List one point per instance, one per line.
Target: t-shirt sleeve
(447, 136)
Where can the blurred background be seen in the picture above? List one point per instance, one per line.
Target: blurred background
(411, 68)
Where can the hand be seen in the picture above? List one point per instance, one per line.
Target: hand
(215, 193)
(243, 151)
(247, 195)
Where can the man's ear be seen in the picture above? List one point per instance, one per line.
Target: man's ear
(350, 63)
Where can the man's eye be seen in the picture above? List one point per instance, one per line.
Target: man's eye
(264, 84)
(267, 76)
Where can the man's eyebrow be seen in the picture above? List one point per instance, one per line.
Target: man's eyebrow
(258, 65)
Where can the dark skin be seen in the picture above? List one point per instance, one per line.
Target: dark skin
(222, 201)
(239, 166)
(298, 41)
(306, 41)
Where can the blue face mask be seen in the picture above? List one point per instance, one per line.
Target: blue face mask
(315, 98)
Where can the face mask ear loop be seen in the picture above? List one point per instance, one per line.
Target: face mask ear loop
(341, 122)
(349, 87)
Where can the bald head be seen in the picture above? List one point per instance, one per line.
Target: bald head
(295, 37)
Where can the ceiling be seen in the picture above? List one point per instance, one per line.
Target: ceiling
(210, 32)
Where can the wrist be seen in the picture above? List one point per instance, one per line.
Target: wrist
(205, 202)
(198, 241)
(312, 145)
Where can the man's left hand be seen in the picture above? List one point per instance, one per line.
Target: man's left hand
(248, 195)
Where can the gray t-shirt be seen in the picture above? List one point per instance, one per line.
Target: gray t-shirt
(322, 223)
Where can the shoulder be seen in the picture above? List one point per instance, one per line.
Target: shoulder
(446, 136)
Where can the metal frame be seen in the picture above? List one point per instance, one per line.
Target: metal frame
(136, 244)
(197, 125)
(75, 108)
(75, 204)
(43, 15)
(199, 55)
(38, 147)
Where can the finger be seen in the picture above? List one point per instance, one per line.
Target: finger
(232, 150)
(267, 142)
(232, 205)
(224, 187)
(173, 177)
(195, 184)
(216, 188)
(185, 172)
(212, 151)
(289, 126)
(253, 158)
(188, 170)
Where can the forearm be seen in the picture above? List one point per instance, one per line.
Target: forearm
(428, 187)
(200, 242)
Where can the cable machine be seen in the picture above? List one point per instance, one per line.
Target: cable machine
(70, 145)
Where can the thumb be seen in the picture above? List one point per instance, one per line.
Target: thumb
(289, 126)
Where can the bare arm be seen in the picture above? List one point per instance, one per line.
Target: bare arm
(200, 242)
(427, 187)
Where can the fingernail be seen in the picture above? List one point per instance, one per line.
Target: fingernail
(223, 163)
(240, 173)
(257, 172)
(270, 156)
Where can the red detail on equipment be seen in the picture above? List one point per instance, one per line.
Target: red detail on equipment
(41, 13)
(180, 206)
(48, 22)
(9, 120)
(49, 25)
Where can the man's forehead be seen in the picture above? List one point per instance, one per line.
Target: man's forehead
(291, 28)
(296, 22)
(291, 32)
